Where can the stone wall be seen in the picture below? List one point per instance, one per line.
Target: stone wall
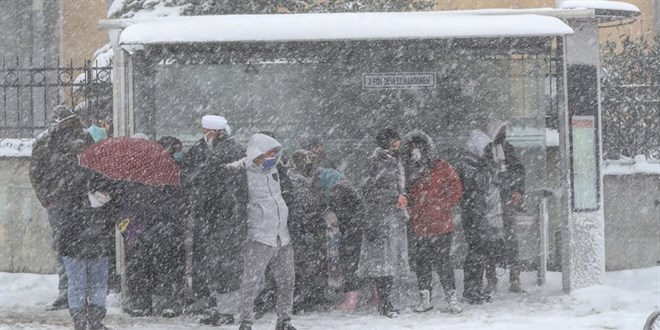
(632, 224)
(25, 235)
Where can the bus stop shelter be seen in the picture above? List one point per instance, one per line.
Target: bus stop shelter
(343, 77)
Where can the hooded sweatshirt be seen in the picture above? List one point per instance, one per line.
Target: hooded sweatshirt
(511, 170)
(267, 213)
(481, 205)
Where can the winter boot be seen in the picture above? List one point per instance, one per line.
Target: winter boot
(474, 298)
(454, 306)
(62, 302)
(264, 303)
(490, 288)
(515, 287)
(424, 302)
(79, 316)
(350, 302)
(216, 318)
(284, 324)
(245, 325)
(388, 310)
(169, 313)
(95, 315)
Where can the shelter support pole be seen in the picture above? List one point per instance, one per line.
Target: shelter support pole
(123, 126)
(583, 247)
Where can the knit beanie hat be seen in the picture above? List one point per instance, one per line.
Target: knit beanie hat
(386, 137)
(62, 113)
(301, 158)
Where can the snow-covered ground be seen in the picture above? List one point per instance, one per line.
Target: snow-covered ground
(623, 302)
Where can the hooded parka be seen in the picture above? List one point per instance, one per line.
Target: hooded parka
(434, 188)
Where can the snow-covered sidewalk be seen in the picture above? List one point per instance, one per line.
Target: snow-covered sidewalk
(623, 302)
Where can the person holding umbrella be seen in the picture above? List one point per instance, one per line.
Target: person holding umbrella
(85, 241)
(138, 167)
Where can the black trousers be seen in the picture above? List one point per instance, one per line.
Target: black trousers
(435, 253)
(384, 286)
(155, 268)
(349, 256)
(480, 253)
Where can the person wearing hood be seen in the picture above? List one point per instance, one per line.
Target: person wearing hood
(481, 215)
(268, 241)
(384, 251)
(511, 177)
(210, 195)
(53, 155)
(434, 188)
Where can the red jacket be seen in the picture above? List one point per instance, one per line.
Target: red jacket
(433, 199)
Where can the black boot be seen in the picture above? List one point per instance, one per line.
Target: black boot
(245, 326)
(284, 324)
(95, 315)
(79, 316)
(387, 309)
(264, 303)
(60, 303)
(216, 318)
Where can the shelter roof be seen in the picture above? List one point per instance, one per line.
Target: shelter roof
(339, 26)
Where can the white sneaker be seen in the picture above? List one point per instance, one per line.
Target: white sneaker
(454, 306)
(424, 302)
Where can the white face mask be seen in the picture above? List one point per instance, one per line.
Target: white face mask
(416, 155)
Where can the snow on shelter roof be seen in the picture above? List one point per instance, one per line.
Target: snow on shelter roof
(598, 4)
(338, 26)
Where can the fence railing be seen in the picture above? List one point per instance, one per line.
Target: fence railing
(28, 93)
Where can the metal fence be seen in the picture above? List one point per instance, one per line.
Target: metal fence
(631, 121)
(29, 91)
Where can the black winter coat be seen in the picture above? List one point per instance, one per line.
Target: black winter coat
(346, 203)
(87, 232)
(53, 155)
(477, 175)
(513, 179)
(306, 227)
(207, 183)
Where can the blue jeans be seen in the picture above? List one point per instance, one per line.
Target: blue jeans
(54, 219)
(88, 281)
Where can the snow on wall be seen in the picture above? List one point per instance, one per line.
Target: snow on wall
(16, 147)
(629, 166)
(587, 243)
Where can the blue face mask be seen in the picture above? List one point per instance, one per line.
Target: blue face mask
(97, 133)
(269, 163)
(178, 155)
